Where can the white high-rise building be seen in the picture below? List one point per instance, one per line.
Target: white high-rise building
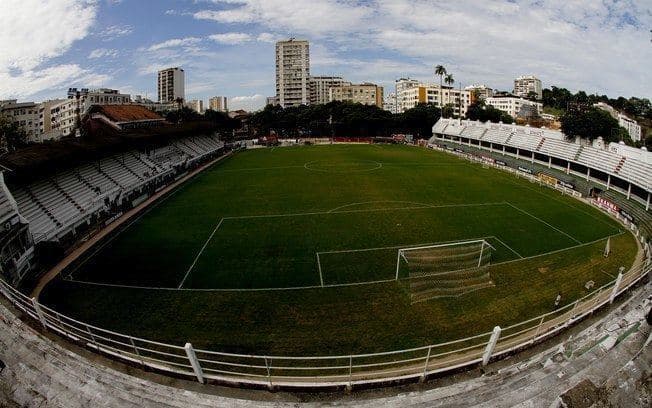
(196, 104)
(515, 106)
(481, 91)
(171, 84)
(410, 95)
(292, 72)
(218, 103)
(366, 94)
(523, 85)
(632, 127)
(320, 87)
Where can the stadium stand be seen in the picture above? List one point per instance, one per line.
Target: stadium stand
(642, 218)
(524, 141)
(624, 172)
(496, 135)
(54, 205)
(558, 148)
(599, 159)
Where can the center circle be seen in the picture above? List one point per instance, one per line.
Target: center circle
(343, 167)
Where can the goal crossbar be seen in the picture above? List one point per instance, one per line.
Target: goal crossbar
(481, 245)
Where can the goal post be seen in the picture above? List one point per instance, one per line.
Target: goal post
(444, 258)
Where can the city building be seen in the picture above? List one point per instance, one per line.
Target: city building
(320, 87)
(365, 93)
(482, 92)
(86, 98)
(196, 104)
(25, 114)
(523, 85)
(515, 106)
(271, 100)
(171, 84)
(292, 72)
(45, 120)
(390, 103)
(218, 103)
(63, 115)
(433, 94)
(632, 127)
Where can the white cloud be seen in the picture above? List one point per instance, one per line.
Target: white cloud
(35, 32)
(267, 37)
(315, 16)
(115, 31)
(103, 53)
(32, 31)
(61, 76)
(249, 103)
(231, 38)
(175, 42)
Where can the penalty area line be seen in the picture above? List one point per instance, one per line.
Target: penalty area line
(210, 237)
(542, 221)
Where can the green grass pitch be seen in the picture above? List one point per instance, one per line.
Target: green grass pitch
(235, 259)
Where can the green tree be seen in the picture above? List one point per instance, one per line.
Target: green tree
(12, 135)
(449, 81)
(487, 113)
(590, 124)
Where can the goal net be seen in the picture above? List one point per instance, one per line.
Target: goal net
(445, 270)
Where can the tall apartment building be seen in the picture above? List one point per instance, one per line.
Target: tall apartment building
(434, 94)
(480, 91)
(366, 94)
(523, 85)
(195, 104)
(292, 72)
(515, 106)
(320, 86)
(25, 114)
(171, 84)
(390, 103)
(218, 103)
(632, 127)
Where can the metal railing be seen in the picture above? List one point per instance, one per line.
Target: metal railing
(323, 371)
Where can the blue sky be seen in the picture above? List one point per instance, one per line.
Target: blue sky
(227, 46)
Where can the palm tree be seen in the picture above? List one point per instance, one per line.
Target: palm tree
(449, 81)
(441, 71)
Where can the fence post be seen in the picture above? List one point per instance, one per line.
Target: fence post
(39, 312)
(491, 345)
(536, 333)
(350, 386)
(133, 344)
(425, 366)
(269, 373)
(614, 292)
(190, 352)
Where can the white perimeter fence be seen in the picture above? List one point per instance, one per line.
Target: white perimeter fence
(323, 371)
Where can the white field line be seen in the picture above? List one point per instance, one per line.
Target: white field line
(421, 206)
(334, 210)
(321, 277)
(542, 221)
(315, 286)
(552, 197)
(260, 168)
(127, 226)
(199, 253)
(405, 246)
(507, 246)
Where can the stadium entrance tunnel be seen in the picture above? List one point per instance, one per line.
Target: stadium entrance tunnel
(343, 167)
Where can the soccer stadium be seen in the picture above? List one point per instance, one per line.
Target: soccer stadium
(331, 263)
